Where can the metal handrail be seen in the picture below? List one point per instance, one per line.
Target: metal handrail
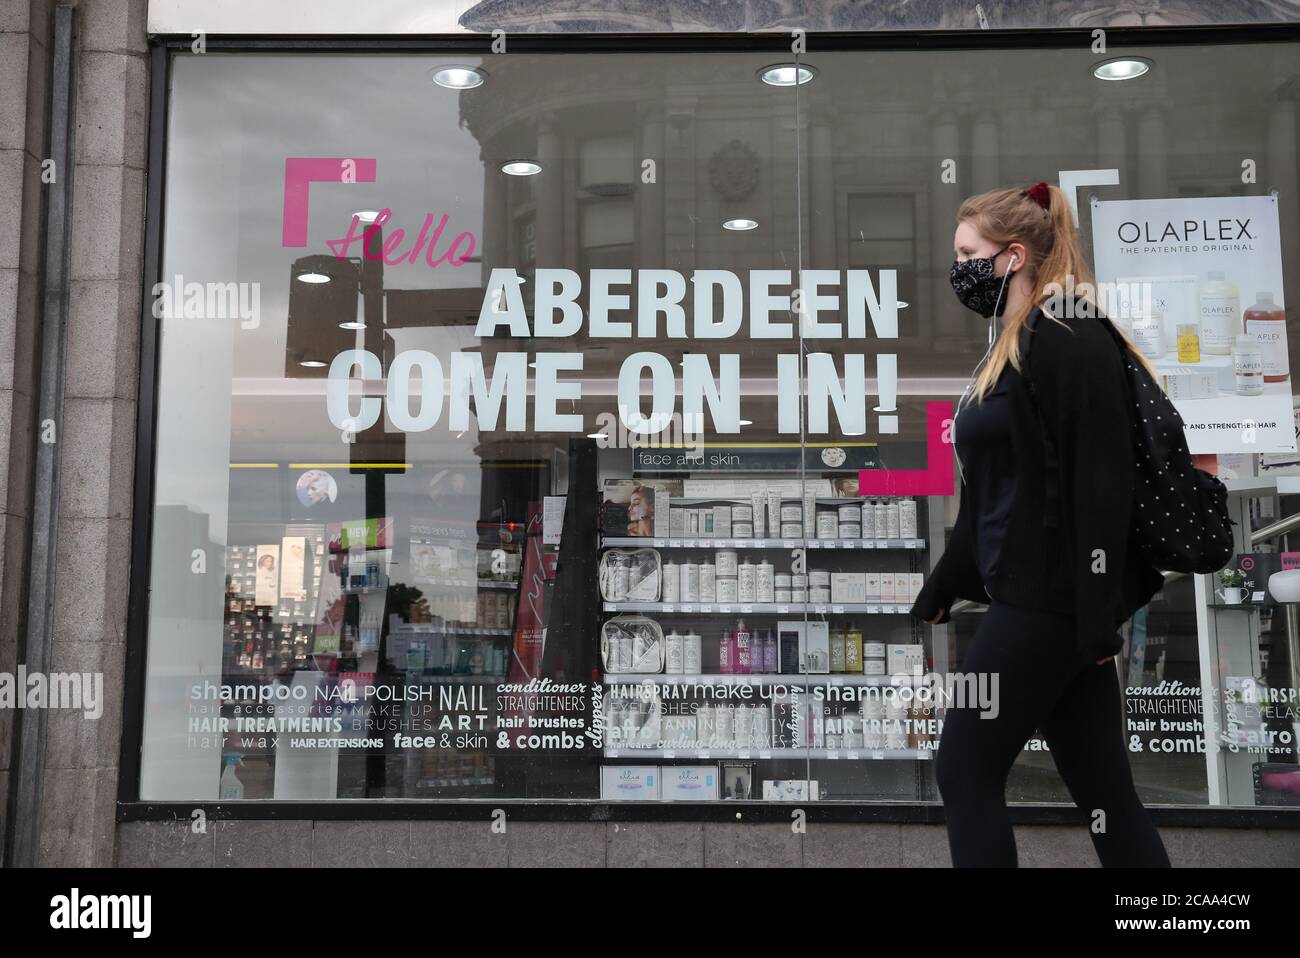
(1279, 528)
(1266, 534)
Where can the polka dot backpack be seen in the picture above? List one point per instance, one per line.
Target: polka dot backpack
(1180, 513)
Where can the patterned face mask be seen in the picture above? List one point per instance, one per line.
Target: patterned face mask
(977, 287)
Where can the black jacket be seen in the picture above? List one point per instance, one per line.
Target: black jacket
(1068, 544)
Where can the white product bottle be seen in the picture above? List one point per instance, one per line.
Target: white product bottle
(621, 577)
(690, 590)
(748, 582)
(1248, 366)
(869, 519)
(907, 518)
(891, 520)
(766, 582)
(1220, 315)
(882, 520)
(675, 660)
(672, 581)
(758, 501)
(1149, 334)
(691, 653)
(773, 513)
(708, 582)
(232, 789)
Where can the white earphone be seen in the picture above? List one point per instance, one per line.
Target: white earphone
(983, 359)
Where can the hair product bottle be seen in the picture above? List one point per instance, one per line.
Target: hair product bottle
(1266, 321)
(1149, 334)
(1220, 314)
(1248, 366)
(1189, 342)
(743, 650)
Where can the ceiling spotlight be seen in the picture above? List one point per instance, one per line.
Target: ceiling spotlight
(740, 223)
(313, 278)
(352, 324)
(787, 74)
(458, 77)
(597, 435)
(1122, 68)
(312, 363)
(746, 422)
(521, 168)
(367, 216)
(902, 305)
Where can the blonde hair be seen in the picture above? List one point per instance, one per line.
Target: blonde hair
(1054, 259)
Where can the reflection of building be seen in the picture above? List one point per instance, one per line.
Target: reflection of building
(835, 178)
(682, 16)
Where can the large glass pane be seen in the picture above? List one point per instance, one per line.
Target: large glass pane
(497, 457)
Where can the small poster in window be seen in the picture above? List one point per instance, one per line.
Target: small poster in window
(552, 519)
(293, 567)
(268, 575)
(631, 506)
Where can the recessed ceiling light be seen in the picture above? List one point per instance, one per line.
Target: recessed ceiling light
(597, 435)
(313, 278)
(902, 305)
(521, 168)
(352, 325)
(458, 77)
(1122, 68)
(787, 74)
(746, 422)
(740, 223)
(367, 216)
(312, 363)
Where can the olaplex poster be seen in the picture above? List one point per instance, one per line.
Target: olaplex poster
(1196, 284)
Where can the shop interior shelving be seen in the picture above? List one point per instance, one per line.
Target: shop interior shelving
(841, 554)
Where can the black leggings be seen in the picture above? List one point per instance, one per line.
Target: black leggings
(1041, 686)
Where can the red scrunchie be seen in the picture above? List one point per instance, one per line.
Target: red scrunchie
(1038, 193)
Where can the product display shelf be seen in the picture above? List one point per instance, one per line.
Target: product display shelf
(434, 628)
(759, 608)
(453, 782)
(426, 677)
(468, 583)
(695, 542)
(764, 754)
(818, 679)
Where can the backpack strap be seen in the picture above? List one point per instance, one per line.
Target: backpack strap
(1052, 461)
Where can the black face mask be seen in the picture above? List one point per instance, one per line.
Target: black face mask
(977, 287)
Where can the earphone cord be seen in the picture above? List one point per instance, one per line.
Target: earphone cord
(961, 473)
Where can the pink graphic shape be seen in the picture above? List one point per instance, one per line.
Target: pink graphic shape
(936, 479)
(299, 173)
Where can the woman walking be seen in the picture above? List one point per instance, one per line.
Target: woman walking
(1042, 534)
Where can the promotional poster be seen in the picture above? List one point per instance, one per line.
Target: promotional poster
(1196, 284)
